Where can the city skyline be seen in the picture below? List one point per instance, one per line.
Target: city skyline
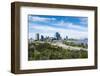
(56, 36)
(73, 27)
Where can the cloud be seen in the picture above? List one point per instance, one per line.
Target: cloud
(77, 27)
(41, 19)
(50, 31)
(61, 23)
(84, 21)
(71, 26)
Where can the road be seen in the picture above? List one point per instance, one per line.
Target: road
(67, 46)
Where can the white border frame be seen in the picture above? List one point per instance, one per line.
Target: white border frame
(25, 64)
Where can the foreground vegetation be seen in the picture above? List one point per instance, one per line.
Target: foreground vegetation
(46, 51)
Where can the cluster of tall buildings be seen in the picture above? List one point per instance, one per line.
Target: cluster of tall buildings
(57, 36)
(38, 37)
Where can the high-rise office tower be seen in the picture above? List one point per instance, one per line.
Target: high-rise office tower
(66, 37)
(37, 36)
(42, 37)
(57, 35)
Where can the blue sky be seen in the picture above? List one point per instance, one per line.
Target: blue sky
(47, 25)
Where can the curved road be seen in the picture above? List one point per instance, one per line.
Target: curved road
(67, 46)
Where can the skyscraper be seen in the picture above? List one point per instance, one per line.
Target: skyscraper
(66, 37)
(57, 35)
(42, 37)
(37, 36)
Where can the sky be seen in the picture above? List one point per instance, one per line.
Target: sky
(48, 25)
